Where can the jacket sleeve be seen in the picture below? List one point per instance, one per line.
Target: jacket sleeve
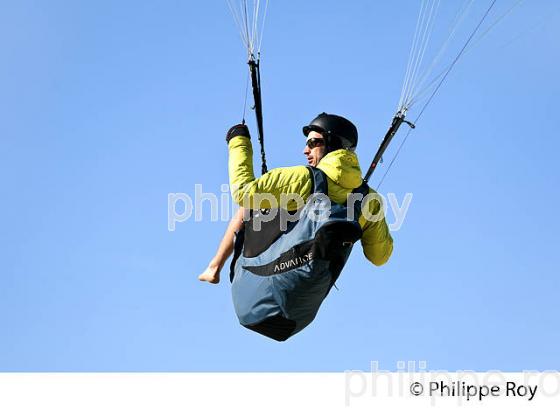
(377, 242)
(264, 192)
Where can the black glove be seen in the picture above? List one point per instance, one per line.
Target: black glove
(238, 130)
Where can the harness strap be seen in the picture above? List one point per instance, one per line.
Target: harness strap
(320, 186)
(319, 180)
(363, 190)
(256, 84)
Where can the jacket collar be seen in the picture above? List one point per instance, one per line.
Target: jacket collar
(342, 167)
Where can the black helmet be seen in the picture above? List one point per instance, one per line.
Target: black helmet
(337, 131)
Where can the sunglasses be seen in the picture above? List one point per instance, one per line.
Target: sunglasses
(315, 142)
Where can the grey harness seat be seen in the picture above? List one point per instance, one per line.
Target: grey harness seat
(281, 277)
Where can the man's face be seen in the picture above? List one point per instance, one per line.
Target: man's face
(314, 148)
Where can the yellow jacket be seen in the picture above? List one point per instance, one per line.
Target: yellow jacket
(343, 175)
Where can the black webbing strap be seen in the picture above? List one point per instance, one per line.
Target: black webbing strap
(398, 119)
(319, 180)
(256, 84)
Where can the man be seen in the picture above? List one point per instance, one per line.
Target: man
(330, 144)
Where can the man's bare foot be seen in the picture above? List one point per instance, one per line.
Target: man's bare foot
(211, 274)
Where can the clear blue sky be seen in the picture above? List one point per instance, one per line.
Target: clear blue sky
(108, 106)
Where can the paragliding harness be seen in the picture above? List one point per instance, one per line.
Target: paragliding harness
(281, 277)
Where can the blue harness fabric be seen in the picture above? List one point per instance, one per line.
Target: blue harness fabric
(280, 278)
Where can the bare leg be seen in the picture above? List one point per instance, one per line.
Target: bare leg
(212, 272)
